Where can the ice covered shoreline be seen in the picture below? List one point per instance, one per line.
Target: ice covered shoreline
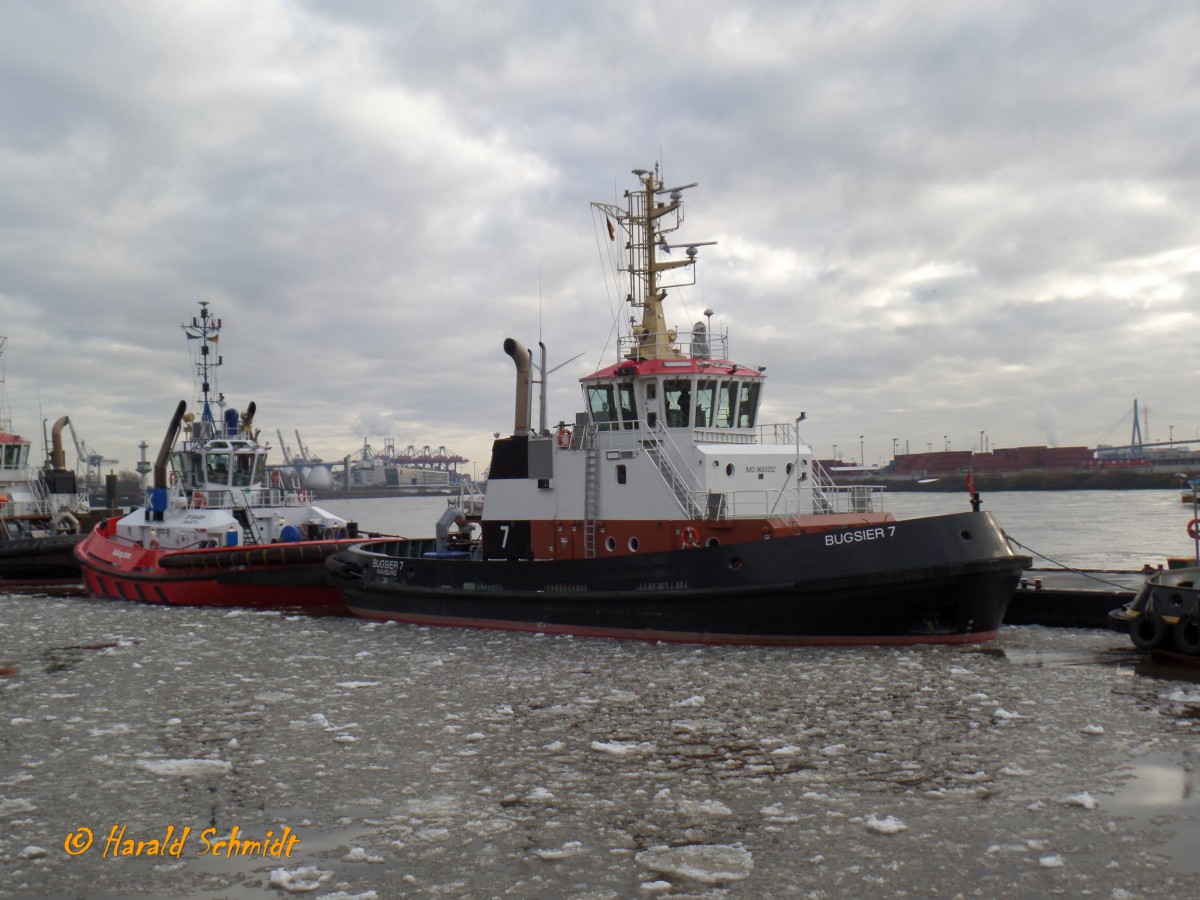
(439, 762)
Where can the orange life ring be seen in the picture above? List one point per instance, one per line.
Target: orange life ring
(564, 438)
(199, 500)
(689, 537)
(1194, 529)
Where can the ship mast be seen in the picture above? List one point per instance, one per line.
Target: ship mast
(5, 415)
(646, 221)
(207, 330)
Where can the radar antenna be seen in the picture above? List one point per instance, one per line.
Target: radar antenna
(207, 330)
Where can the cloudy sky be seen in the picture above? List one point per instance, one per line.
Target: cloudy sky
(934, 219)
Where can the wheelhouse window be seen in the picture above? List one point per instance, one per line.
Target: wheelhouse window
(217, 470)
(748, 404)
(15, 455)
(601, 406)
(244, 473)
(628, 401)
(677, 392)
(705, 394)
(725, 401)
(188, 467)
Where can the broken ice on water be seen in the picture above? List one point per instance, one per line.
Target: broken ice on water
(442, 762)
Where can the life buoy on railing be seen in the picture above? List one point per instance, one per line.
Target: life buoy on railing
(1194, 529)
(564, 438)
(199, 500)
(174, 478)
(276, 478)
(689, 538)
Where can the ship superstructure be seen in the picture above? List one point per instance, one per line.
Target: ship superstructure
(667, 511)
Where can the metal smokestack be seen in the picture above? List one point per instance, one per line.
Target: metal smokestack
(524, 399)
(58, 458)
(164, 452)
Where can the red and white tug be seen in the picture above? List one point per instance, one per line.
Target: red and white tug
(667, 511)
(217, 529)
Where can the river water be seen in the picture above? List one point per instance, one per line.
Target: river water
(365, 760)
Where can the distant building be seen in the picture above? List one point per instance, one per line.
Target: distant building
(1001, 459)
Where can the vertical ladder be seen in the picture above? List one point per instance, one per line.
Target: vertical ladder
(591, 491)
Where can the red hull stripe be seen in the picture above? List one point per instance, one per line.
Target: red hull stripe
(321, 601)
(685, 637)
(278, 582)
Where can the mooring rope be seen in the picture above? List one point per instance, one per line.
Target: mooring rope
(1064, 566)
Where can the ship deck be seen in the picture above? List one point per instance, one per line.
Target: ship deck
(1068, 598)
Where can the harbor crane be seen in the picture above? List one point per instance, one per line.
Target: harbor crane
(92, 462)
(305, 456)
(288, 459)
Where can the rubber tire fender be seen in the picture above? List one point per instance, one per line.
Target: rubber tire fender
(1147, 633)
(1187, 636)
(341, 565)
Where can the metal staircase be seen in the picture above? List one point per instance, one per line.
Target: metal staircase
(823, 489)
(675, 479)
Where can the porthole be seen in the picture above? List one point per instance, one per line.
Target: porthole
(966, 535)
(788, 468)
(633, 545)
(610, 543)
(735, 563)
(729, 470)
(712, 542)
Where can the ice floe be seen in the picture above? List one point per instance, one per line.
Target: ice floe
(1083, 800)
(886, 825)
(185, 767)
(303, 880)
(711, 864)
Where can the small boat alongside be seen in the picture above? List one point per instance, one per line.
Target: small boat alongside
(666, 511)
(1164, 617)
(217, 529)
(1165, 614)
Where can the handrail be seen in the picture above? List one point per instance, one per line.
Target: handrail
(683, 486)
(689, 344)
(250, 498)
(693, 496)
